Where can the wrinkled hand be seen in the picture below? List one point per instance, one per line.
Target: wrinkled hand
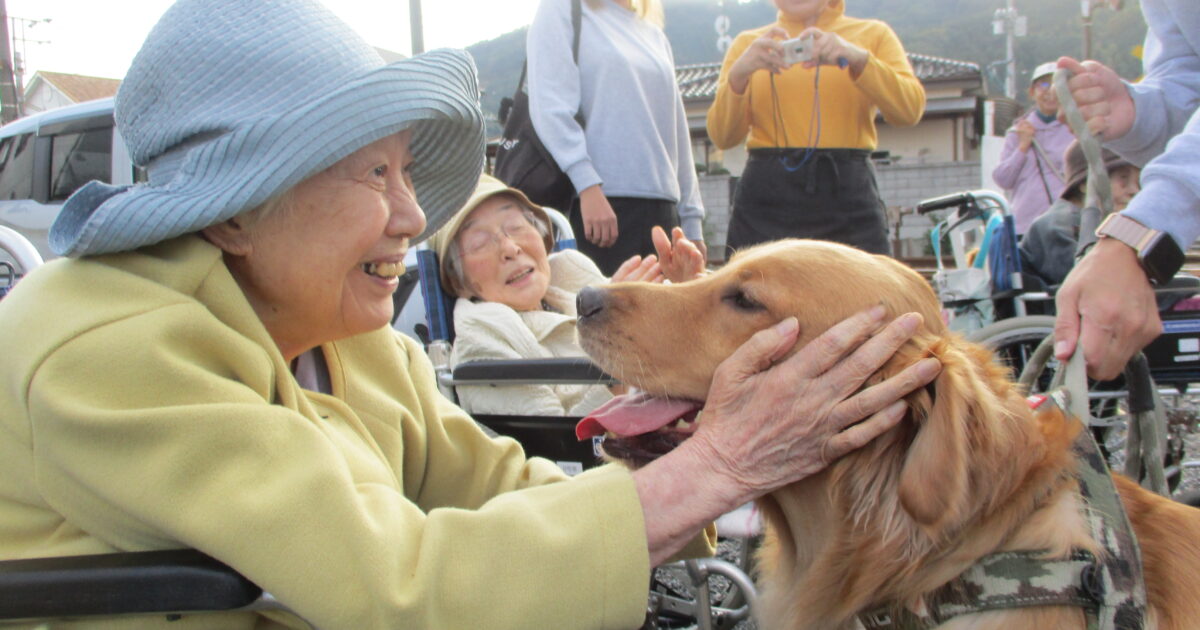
(1110, 292)
(599, 220)
(1102, 97)
(681, 259)
(765, 53)
(766, 424)
(1024, 130)
(830, 49)
(638, 269)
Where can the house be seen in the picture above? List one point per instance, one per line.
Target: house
(48, 90)
(941, 154)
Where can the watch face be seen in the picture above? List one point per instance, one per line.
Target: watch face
(1161, 258)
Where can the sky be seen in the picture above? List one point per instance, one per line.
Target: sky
(100, 37)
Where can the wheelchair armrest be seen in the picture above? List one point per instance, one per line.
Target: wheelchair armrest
(558, 371)
(175, 580)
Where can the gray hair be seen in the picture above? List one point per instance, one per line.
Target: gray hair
(453, 264)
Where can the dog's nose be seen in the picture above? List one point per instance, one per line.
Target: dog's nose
(589, 302)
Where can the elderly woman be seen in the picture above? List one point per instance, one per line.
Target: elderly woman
(517, 301)
(212, 367)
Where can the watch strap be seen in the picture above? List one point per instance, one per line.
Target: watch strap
(1157, 252)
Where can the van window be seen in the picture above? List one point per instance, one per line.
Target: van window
(78, 158)
(16, 170)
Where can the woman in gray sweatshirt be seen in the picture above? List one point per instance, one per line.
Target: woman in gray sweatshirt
(631, 159)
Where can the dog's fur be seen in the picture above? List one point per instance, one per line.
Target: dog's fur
(970, 471)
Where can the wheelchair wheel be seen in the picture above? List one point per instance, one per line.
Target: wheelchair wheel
(1014, 340)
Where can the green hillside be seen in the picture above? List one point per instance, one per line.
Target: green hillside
(956, 29)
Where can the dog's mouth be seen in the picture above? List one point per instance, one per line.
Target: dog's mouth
(639, 428)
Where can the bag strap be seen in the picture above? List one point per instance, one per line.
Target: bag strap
(576, 26)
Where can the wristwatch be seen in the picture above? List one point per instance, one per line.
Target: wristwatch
(1157, 252)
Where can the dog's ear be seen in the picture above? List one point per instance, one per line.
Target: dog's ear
(934, 479)
(971, 449)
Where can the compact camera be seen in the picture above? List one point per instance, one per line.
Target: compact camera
(797, 50)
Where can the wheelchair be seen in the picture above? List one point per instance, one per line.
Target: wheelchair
(1012, 313)
(706, 593)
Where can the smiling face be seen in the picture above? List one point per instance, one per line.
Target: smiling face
(1042, 93)
(324, 266)
(504, 255)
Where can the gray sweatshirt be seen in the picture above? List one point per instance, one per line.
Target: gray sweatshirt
(636, 142)
(1166, 132)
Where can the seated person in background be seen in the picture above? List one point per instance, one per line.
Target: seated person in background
(1048, 248)
(517, 301)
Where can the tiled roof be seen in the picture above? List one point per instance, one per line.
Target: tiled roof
(80, 88)
(699, 81)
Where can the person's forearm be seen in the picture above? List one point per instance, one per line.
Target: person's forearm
(681, 494)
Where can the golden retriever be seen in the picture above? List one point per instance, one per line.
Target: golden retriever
(971, 470)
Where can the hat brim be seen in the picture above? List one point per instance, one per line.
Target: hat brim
(434, 94)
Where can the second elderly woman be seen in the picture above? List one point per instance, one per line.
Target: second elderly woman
(516, 299)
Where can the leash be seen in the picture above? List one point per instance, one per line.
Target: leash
(1146, 417)
(1098, 200)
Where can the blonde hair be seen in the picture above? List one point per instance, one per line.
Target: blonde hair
(649, 10)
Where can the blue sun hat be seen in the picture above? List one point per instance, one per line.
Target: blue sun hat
(232, 102)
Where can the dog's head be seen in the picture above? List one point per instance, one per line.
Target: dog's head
(667, 341)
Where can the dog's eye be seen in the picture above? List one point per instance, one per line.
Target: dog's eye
(742, 301)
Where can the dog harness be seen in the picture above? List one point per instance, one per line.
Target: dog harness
(1110, 589)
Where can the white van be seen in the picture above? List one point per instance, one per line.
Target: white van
(47, 156)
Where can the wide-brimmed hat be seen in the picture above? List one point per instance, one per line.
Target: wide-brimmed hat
(232, 102)
(487, 188)
(1077, 167)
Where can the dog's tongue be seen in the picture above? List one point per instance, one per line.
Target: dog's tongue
(633, 414)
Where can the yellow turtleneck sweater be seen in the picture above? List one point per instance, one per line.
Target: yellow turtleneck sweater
(847, 105)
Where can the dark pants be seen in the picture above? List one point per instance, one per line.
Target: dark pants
(831, 196)
(635, 217)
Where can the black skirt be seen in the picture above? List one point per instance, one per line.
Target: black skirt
(832, 195)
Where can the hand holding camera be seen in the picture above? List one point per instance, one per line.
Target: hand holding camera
(797, 49)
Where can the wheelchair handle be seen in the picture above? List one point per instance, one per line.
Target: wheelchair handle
(960, 199)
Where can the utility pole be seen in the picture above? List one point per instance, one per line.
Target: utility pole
(414, 21)
(1086, 9)
(8, 89)
(1007, 22)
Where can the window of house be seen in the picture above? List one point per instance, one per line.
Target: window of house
(78, 158)
(16, 167)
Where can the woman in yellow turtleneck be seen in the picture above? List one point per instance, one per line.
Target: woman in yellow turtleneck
(811, 125)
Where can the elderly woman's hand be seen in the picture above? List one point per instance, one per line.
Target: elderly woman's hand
(639, 269)
(768, 423)
(680, 258)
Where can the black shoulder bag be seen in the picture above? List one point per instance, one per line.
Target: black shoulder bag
(522, 161)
